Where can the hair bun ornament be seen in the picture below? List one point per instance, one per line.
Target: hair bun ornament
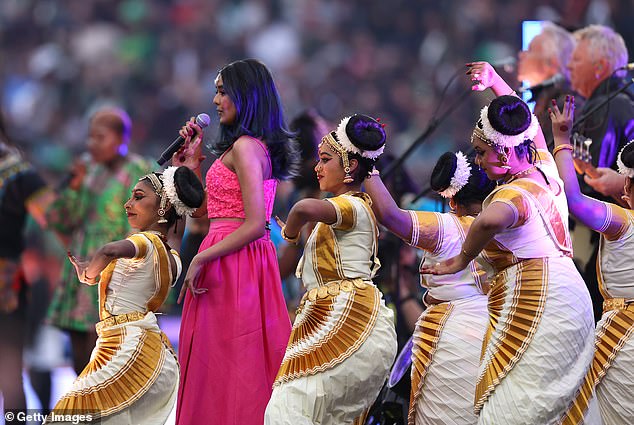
(362, 135)
(507, 122)
(624, 169)
(185, 194)
(452, 167)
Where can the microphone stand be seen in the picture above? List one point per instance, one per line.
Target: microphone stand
(612, 95)
(433, 124)
(431, 127)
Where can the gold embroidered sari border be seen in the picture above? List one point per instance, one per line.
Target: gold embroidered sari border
(426, 336)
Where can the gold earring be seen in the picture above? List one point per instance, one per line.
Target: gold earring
(504, 159)
(347, 178)
(162, 209)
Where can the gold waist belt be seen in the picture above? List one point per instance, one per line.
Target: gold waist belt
(333, 288)
(119, 319)
(618, 304)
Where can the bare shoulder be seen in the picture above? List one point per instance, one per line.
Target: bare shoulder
(248, 151)
(246, 144)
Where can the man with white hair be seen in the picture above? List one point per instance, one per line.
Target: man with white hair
(547, 56)
(595, 67)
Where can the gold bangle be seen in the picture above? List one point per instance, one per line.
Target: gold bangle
(293, 240)
(564, 147)
(89, 280)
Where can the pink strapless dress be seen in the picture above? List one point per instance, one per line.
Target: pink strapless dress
(232, 338)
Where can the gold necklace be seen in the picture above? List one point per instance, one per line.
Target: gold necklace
(522, 173)
(157, 233)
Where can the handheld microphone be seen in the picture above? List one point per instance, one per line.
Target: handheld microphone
(202, 120)
(552, 81)
(85, 158)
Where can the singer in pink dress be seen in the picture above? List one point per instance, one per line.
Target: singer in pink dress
(235, 324)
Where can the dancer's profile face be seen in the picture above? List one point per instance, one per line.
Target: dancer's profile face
(488, 159)
(224, 105)
(330, 173)
(142, 207)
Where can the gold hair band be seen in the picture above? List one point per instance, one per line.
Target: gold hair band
(479, 133)
(331, 140)
(157, 184)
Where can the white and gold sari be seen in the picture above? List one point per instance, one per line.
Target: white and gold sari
(447, 340)
(612, 372)
(343, 340)
(539, 342)
(132, 377)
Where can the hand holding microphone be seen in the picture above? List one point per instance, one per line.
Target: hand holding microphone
(191, 128)
(75, 177)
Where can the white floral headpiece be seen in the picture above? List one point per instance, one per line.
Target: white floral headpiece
(505, 140)
(345, 142)
(170, 190)
(460, 176)
(623, 169)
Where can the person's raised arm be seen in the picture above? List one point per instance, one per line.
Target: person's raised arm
(496, 217)
(190, 155)
(88, 271)
(589, 211)
(484, 76)
(389, 214)
(306, 211)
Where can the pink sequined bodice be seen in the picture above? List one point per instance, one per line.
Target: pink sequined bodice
(224, 198)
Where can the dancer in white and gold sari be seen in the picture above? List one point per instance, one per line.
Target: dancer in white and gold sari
(612, 369)
(343, 340)
(539, 342)
(447, 340)
(132, 377)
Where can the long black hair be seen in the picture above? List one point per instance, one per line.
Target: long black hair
(259, 114)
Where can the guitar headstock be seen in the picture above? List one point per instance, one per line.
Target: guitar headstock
(581, 154)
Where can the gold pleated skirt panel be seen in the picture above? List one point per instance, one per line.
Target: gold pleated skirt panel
(611, 336)
(333, 321)
(425, 342)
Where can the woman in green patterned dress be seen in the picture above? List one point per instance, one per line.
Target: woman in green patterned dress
(87, 215)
